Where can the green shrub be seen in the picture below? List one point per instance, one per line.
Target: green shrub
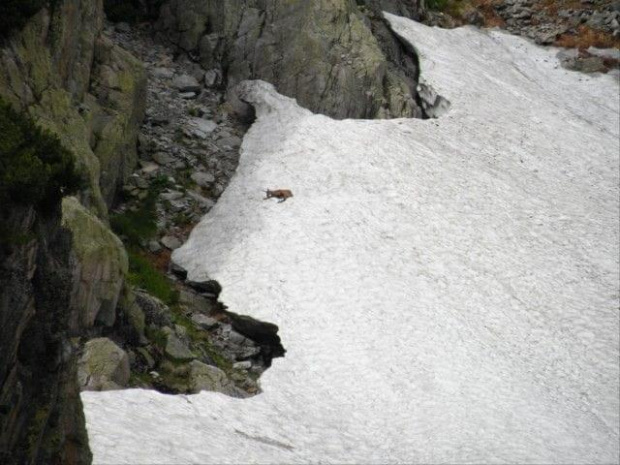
(15, 13)
(135, 227)
(144, 275)
(437, 5)
(35, 168)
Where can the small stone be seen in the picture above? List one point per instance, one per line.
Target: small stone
(188, 95)
(177, 206)
(154, 246)
(209, 286)
(236, 338)
(201, 128)
(245, 365)
(232, 142)
(178, 270)
(141, 183)
(610, 53)
(171, 195)
(204, 321)
(212, 78)
(162, 73)
(186, 83)
(148, 167)
(203, 179)
(146, 356)
(177, 350)
(203, 377)
(163, 158)
(203, 201)
(171, 242)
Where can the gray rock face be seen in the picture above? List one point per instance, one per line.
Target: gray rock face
(35, 309)
(323, 53)
(103, 366)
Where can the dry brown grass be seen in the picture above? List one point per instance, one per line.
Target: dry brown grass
(160, 260)
(587, 37)
(486, 8)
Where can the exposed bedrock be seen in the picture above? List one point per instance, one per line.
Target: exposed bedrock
(336, 57)
(76, 83)
(60, 278)
(41, 418)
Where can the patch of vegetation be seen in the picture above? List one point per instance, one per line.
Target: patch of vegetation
(144, 275)
(201, 339)
(140, 380)
(586, 37)
(156, 336)
(15, 13)
(35, 168)
(182, 219)
(437, 5)
(135, 227)
(35, 430)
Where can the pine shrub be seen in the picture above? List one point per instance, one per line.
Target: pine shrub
(35, 168)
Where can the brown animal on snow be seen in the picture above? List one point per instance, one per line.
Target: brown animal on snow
(281, 194)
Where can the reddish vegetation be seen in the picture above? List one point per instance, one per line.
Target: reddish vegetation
(582, 38)
(160, 260)
(587, 37)
(491, 18)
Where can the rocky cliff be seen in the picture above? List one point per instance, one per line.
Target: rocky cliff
(335, 57)
(41, 419)
(63, 273)
(61, 269)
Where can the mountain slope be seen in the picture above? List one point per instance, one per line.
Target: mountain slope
(447, 290)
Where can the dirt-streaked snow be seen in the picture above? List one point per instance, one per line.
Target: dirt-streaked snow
(447, 290)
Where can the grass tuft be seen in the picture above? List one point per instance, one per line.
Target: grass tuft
(144, 275)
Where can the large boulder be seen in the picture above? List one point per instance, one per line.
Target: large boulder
(176, 347)
(100, 268)
(203, 377)
(103, 366)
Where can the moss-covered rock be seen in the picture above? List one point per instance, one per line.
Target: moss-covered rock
(103, 366)
(52, 67)
(101, 265)
(119, 83)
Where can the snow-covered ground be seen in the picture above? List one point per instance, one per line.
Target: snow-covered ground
(447, 290)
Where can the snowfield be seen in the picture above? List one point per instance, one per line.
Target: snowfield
(447, 290)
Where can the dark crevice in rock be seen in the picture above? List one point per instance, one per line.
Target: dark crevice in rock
(41, 419)
(264, 334)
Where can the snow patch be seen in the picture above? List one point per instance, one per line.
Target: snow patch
(447, 289)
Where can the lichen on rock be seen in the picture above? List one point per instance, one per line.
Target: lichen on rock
(101, 265)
